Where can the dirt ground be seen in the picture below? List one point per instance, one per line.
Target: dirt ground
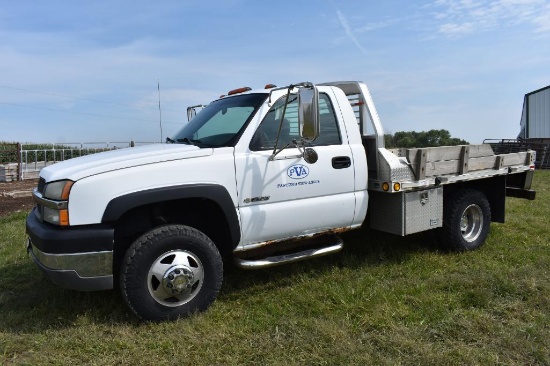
(9, 204)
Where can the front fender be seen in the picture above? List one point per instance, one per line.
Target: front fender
(122, 204)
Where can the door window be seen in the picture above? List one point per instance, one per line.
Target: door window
(266, 134)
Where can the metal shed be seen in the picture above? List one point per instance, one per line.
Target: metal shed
(535, 118)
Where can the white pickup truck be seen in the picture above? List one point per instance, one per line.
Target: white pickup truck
(260, 178)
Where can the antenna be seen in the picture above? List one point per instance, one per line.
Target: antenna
(160, 111)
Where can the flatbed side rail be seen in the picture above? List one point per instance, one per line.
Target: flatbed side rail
(462, 159)
(541, 146)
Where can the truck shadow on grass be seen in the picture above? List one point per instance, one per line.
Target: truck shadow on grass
(31, 303)
(363, 249)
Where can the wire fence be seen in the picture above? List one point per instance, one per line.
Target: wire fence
(24, 161)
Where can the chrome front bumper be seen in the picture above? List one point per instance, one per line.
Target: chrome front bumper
(76, 271)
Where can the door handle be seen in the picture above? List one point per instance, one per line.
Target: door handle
(341, 162)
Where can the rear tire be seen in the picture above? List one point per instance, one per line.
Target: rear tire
(466, 221)
(170, 272)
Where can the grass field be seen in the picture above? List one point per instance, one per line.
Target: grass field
(383, 300)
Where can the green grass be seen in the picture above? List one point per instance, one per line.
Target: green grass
(383, 300)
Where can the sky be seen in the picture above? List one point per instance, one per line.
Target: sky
(94, 71)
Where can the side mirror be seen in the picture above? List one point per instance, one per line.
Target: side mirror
(191, 112)
(310, 155)
(308, 112)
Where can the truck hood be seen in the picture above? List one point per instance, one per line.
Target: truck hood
(78, 168)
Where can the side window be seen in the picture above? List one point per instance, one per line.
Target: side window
(329, 132)
(266, 134)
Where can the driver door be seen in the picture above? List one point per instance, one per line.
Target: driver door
(287, 197)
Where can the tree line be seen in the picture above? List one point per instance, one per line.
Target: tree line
(431, 138)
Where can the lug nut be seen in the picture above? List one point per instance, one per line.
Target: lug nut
(177, 271)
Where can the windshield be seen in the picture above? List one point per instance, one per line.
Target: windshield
(221, 122)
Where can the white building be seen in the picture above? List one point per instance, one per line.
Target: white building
(535, 118)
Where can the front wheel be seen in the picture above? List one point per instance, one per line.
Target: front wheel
(169, 272)
(466, 221)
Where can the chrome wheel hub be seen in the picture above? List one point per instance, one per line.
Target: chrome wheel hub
(175, 278)
(471, 223)
(178, 280)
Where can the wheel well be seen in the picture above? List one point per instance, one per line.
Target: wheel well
(493, 188)
(200, 213)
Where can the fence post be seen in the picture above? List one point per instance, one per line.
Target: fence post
(19, 161)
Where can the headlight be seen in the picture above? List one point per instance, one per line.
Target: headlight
(58, 191)
(58, 217)
(53, 204)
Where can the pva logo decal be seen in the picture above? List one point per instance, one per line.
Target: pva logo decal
(297, 171)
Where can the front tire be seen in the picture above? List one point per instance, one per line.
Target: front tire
(466, 221)
(170, 272)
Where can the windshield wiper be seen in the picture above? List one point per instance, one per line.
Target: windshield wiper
(189, 141)
(168, 139)
(186, 141)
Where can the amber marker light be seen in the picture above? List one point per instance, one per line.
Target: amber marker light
(64, 217)
(239, 90)
(385, 187)
(397, 186)
(66, 190)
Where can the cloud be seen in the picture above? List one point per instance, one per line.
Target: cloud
(542, 21)
(452, 29)
(349, 31)
(462, 17)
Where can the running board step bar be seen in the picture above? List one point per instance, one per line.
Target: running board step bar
(290, 257)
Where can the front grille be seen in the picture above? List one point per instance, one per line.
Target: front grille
(41, 185)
